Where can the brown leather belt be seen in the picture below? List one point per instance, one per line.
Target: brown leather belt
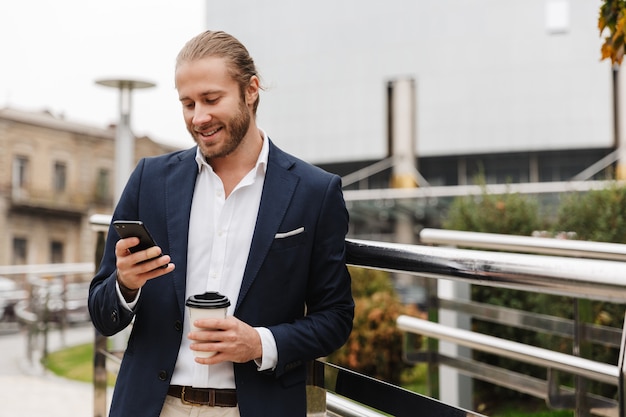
(204, 396)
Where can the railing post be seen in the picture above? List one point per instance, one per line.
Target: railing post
(582, 348)
(622, 373)
(100, 346)
(432, 343)
(315, 390)
(99, 376)
(455, 388)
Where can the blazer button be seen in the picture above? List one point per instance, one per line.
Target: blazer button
(178, 326)
(114, 316)
(162, 375)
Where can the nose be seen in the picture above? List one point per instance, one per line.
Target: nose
(201, 115)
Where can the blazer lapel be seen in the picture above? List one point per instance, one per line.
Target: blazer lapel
(180, 182)
(280, 184)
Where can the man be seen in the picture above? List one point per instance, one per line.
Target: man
(235, 215)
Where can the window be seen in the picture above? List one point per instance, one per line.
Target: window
(20, 172)
(103, 184)
(59, 176)
(56, 252)
(19, 251)
(557, 16)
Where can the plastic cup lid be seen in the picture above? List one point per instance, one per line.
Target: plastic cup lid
(209, 299)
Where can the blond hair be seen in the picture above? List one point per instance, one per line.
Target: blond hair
(221, 44)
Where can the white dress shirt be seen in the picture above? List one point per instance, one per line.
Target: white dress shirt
(220, 235)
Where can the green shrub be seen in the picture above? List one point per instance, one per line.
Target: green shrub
(600, 216)
(508, 214)
(597, 215)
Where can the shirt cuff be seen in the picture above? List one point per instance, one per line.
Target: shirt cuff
(129, 306)
(270, 351)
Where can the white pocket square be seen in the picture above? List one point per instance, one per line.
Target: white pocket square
(290, 233)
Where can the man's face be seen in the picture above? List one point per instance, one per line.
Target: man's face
(214, 110)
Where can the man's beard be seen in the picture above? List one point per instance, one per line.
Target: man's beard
(236, 129)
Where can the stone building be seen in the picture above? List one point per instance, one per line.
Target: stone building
(54, 174)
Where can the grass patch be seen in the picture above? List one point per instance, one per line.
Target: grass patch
(74, 363)
(415, 379)
(525, 410)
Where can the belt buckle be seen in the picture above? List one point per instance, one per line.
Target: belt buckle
(211, 402)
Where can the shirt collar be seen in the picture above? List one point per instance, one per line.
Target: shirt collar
(261, 163)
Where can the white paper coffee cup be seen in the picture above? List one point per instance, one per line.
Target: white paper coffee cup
(206, 306)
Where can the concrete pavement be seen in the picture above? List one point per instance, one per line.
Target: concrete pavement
(28, 390)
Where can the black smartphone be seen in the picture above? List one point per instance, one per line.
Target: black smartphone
(136, 228)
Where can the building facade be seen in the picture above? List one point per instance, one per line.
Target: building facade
(515, 89)
(54, 174)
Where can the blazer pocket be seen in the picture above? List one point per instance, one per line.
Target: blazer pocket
(290, 233)
(292, 238)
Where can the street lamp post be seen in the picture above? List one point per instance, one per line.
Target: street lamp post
(124, 139)
(124, 160)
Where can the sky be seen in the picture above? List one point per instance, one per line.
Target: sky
(52, 52)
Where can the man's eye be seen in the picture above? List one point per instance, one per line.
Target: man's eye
(188, 105)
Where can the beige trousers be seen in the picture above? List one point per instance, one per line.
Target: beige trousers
(174, 407)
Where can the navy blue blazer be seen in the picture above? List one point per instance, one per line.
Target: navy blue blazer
(298, 286)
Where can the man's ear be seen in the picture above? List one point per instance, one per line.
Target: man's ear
(252, 91)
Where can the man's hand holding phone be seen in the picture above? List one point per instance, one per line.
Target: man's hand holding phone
(139, 259)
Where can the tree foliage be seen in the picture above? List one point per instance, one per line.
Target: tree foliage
(612, 19)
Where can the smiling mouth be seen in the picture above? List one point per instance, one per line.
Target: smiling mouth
(209, 133)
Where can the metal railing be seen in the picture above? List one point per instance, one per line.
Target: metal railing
(331, 390)
(536, 356)
(46, 296)
(525, 244)
(548, 275)
(347, 392)
(581, 279)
